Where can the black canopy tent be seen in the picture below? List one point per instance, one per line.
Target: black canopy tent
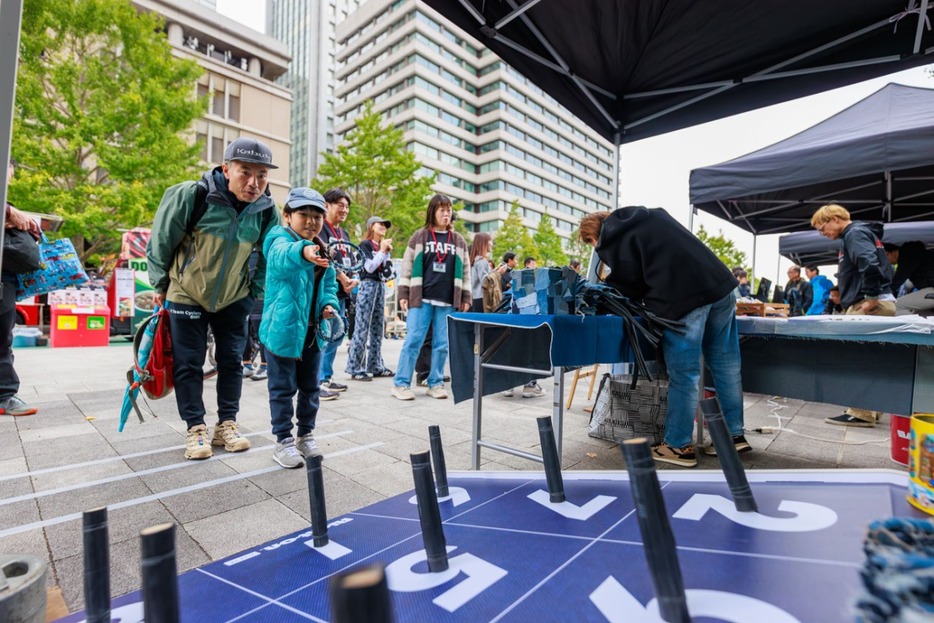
(632, 69)
(809, 247)
(876, 158)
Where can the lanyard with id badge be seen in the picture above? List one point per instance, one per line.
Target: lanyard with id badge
(439, 265)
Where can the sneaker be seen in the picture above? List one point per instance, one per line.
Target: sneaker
(197, 445)
(324, 394)
(423, 382)
(848, 420)
(402, 392)
(384, 373)
(437, 391)
(308, 446)
(363, 376)
(507, 393)
(663, 453)
(532, 390)
(287, 455)
(227, 434)
(14, 405)
(247, 370)
(261, 374)
(333, 386)
(738, 440)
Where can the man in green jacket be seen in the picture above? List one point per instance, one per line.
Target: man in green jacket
(198, 257)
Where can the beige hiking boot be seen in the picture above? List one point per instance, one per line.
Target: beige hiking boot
(227, 434)
(197, 444)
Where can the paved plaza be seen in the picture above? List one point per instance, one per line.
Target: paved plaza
(69, 457)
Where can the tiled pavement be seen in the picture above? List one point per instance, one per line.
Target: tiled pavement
(69, 457)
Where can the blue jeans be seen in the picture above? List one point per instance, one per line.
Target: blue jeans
(330, 351)
(288, 376)
(416, 326)
(711, 330)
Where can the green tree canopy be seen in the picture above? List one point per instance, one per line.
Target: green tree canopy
(551, 251)
(381, 177)
(513, 236)
(102, 117)
(723, 248)
(579, 251)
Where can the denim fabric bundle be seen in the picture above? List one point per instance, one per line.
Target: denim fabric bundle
(899, 572)
(549, 291)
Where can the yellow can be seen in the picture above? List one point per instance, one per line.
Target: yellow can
(921, 462)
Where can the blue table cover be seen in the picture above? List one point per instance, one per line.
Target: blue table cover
(536, 341)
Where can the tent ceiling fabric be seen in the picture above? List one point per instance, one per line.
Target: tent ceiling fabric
(632, 69)
(876, 158)
(809, 247)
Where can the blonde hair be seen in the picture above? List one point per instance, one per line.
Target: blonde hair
(829, 212)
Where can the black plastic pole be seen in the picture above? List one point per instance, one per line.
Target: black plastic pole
(160, 575)
(437, 457)
(429, 515)
(546, 435)
(729, 457)
(361, 596)
(96, 565)
(657, 538)
(319, 513)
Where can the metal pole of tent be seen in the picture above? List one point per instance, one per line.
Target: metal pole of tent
(11, 16)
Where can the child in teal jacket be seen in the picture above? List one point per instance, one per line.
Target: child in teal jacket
(301, 289)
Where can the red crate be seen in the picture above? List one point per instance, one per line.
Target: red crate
(79, 326)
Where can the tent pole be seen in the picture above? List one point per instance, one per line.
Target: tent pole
(616, 174)
(887, 211)
(11, 15)
(755, 239)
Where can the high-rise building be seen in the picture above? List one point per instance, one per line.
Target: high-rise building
(307, 28)
(240, 68)
(492, 136)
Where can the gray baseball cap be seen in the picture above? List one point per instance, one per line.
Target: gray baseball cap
(249, 150)
(375, 219)
(304, 198)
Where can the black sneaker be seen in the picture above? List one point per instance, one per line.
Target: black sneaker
(326, 395)
(738, 440)
(362, 377)
(683, 457)
(333, 386)
(848, 420)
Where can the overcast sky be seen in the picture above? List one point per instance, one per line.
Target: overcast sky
(655, 172)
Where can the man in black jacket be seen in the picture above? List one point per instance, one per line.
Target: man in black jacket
(655, 260)
(864, 279)
(798, 293)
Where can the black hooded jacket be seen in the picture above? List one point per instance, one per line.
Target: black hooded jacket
(864, 268)
(915, 263)
(656, 260)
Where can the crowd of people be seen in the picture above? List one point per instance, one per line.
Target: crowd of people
(221, 258)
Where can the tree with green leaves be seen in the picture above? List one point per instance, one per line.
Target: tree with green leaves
(579, 251)
(514, 236)
(548, 242)
(380, 176)
(102, 117)
(723, 248)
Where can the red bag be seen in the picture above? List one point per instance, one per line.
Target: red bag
(156, 375)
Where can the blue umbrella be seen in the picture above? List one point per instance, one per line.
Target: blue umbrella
(137, 375)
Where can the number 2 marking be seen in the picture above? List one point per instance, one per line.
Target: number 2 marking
(808, 517)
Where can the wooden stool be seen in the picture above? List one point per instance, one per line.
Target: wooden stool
(592, 373)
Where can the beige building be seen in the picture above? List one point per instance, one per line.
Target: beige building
(240, 69)
(491, 135)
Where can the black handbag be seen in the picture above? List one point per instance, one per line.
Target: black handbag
(20, 252)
